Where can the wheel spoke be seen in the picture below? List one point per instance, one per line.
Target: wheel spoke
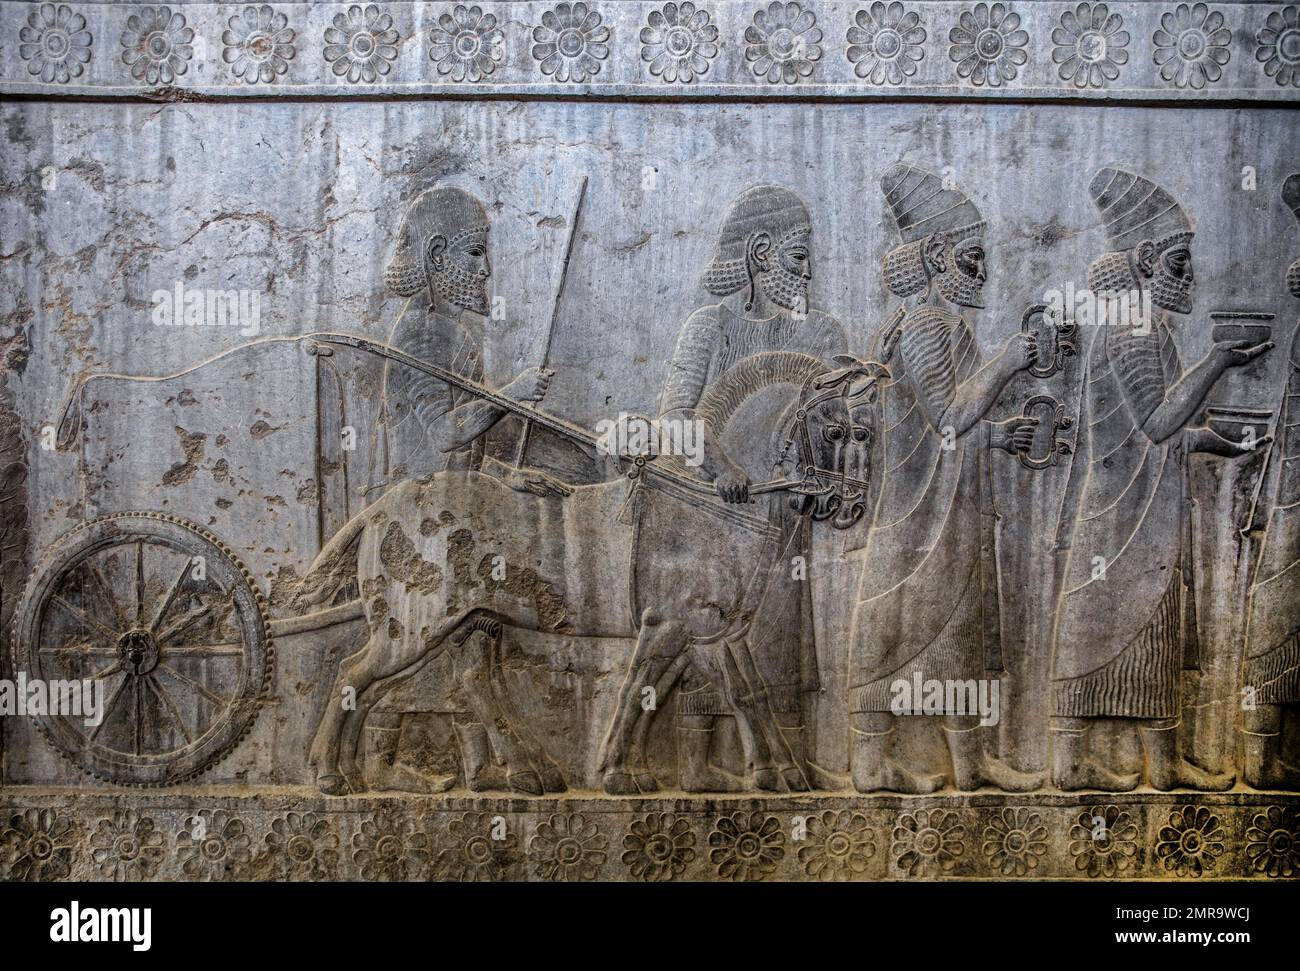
(83, 617)
(83, 648)
(112, 704)
(135, 721)
(172, 591)
(139, 583)
(108, 672)
(207, 650)
(106, 592)
(170, 705)
(185, 622)
(204, 690)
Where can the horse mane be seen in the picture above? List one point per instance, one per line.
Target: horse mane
(721, 399)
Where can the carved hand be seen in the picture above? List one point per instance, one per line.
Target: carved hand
(530, 385)
(1237, 353)
(1021, 351)
(536, 482)
(732, 484)
(1014, 435)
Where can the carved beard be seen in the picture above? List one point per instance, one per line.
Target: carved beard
(956, 287)
(1293, 278)
(1171, 293)
(785, 289)
(459, 288)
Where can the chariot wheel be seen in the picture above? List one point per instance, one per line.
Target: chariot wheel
(164, 616)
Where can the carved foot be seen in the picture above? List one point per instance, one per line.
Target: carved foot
(646, 782)
(825, 780)
(709, 778)
(1184, 775)
(402, 778)
(892, 777)
(1089, 775)
(527, 782)
(619, 784)
(768, 780)
(794, 779)
(332, 784)
(1274, 775)
(996, 773)
(553, 779)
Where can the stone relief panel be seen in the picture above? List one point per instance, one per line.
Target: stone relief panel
(582, 488)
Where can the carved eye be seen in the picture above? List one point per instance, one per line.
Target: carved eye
(477, 251)
(1178, 261)
(861, 433)
(798, 255)
(833, 433)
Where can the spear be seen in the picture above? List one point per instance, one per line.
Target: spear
(527, 428)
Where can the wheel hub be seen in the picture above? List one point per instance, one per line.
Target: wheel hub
(138, 650)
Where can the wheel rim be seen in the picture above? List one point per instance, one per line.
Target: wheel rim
(167, 618)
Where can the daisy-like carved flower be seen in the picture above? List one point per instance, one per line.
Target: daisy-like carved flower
(658, 846)
(837, 845)
(37, 845)
(127, 846)
(783, 44)
(467, 44)
(1089, 45)
(156, 45)
(886, 43)
(678, 42)
(258, 44)
(570, 43)
(1191, 46)
(1015, 841)
(567, 847)
(988, 45)
(362, 44)
(928, 838)
(1279, 46)
(214, 845)
(1192, 842)
(482, 850)
(55, 43)
(1273, 842)
(304, 846)
(390, 847)
(746, 846)
(1103, 841)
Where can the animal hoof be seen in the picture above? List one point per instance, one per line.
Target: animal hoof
(529, 782)
(646, 782)
(332, 785)
(619, 784)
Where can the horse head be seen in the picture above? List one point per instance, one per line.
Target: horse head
(832, 439)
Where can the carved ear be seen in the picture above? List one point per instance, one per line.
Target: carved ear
(436, 247)
(760, 244)
(1145, 258)
(934, 247)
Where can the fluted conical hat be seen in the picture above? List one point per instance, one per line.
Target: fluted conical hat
(1134, 208)
(921, 206)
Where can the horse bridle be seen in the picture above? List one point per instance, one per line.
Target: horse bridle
(813, 476)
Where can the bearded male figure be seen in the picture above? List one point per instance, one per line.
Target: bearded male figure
(1271, 671)
(1124, 629)
(927, 604)
(441, 265)
(760, 273)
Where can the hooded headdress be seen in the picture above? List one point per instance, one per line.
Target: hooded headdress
(446, 211)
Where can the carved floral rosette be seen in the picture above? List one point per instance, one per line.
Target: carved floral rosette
(838, 838)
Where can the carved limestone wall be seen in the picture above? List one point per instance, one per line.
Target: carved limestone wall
(967, 545)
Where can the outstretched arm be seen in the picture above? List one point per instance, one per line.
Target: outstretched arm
(1182, 400)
